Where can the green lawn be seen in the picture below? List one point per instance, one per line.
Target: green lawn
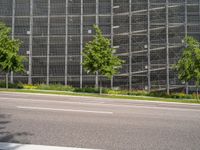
(194, 101)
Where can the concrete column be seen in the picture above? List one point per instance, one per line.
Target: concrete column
(97, 23)
(66, 43)
(199, 10)
(186, 33)
(130, 45)
(149, 47)
(13, 32)
(30, 43)
(48, 40)
(167, 46)
(112, 32)
(81, 47)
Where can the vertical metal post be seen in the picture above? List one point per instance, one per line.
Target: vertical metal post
(66, 43)
(130, 45)
(167, 46)
(199, 10)
(186, 33)
(97, 23)
(48, 40)
(112, 32)
(13, 31)
(186, 19)
(199, 24)
(149, 47)
(30, 43)
(81, 47)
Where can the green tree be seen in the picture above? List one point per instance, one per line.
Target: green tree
(10, 60)
(99, 57)
(188, 66)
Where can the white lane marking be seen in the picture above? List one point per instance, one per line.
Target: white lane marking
(167, 108)
(53, 95)
(106, 104)
(53, 101)
(65, 110)
(13, 146)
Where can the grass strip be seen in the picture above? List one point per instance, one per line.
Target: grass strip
(121, 97)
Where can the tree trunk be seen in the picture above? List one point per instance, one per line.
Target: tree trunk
(97, 81)
(186, 88)
(198, 93)
(7, 80)
(100, 91)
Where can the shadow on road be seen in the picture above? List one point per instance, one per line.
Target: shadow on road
(7, 136)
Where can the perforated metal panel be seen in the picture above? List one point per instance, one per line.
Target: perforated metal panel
(148, 35)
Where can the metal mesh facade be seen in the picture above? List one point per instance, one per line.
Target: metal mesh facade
(148, 35)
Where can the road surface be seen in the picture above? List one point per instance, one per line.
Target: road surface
(97, 123)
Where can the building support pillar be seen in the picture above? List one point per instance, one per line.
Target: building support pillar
(97, 23)
(66, 43)
(149, 48)
(199, 11)
(167, 47)
(30, 43)
(13, 31)
(81, 47)
(112, 33)
(48, 40)
(186, 34)
(130, 45)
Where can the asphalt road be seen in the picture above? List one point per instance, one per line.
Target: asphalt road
(98, 123)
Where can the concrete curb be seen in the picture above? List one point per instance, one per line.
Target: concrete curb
(13, 146)
(106, 98)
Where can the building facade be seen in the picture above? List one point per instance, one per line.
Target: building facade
(147, 34)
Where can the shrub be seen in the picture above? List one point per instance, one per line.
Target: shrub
(172, 95)
(194, 95)
(138, 93)
(29, 86)
(116, 92)
(11, 85)
(2, 84)
(57, 87)
(87, 90)
(16, 85)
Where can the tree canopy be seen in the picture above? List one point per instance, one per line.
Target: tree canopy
(99, 56)
(188, 66)
(10, 60)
